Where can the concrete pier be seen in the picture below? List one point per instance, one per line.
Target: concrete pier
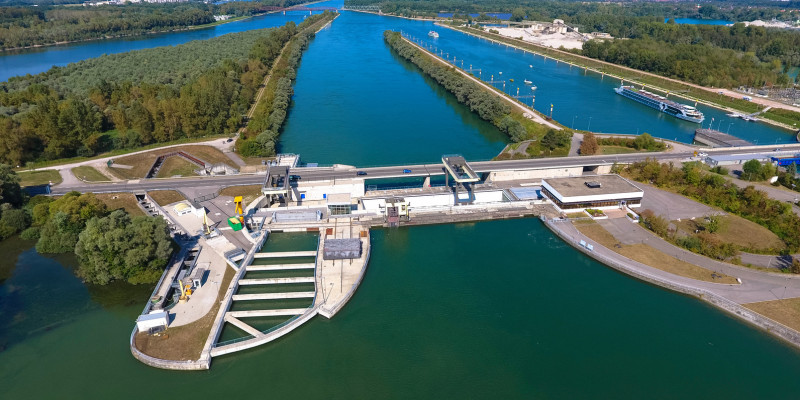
(337, 280)
(286, 254)
(280, 267)
(273, 296)
(267, 313)
(276, 281)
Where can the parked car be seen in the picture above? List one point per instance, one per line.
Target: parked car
(406, 171)
(361, 173)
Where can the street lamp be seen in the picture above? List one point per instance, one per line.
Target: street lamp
(573, 122)
(590, 124)
(729, 128)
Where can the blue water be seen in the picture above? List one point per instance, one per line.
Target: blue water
(34, 61)
(356, 102)
(695, 21)
(581, 100)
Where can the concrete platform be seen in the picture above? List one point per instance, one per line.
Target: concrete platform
(266, 313)
(203, 299)
(280, 267)
(337, 280)
(275, 281)
(310, 253)
(273, 296)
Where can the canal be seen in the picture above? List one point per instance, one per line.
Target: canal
(444, 311)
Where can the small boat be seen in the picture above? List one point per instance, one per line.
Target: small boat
(433, 34)
(511, 80)
(533, 87)
(531, 65)
(527, 82)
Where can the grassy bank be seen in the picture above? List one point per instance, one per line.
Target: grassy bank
(691, 92)
(650, 256)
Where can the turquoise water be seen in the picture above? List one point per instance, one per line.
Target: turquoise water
(444, 312)
(696, 21)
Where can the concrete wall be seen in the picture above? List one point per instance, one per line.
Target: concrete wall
(532, 174)
(434, 200)
(315, 190)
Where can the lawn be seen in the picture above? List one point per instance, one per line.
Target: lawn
(176, 166)
(786, 311)
(652, 257)
(739, 231)
(126, 201)
(165, 197)
(248, 193)
(89, 174)
(142, 162)
(617, 150)
(33, 178)
(184, 343)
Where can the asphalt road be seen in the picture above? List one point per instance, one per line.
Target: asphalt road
(418, 170)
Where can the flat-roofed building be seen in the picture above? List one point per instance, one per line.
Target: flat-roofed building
(592, 191)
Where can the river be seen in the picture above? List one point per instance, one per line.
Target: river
(444, 311)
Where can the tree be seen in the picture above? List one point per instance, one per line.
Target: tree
(751, 169)
(10, 191)
(644, 141)
(118, 247)
(713, 223)
(66, 218)
(517, 14)
(589, 144)
(795, 268)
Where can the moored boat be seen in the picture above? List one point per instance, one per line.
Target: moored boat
(661, 103)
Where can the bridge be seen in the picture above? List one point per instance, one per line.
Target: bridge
(407, 170)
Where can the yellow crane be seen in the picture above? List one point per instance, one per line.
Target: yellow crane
(186, 291)
(239, 212)
(206, 226)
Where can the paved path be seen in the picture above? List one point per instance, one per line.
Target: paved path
(756, 286)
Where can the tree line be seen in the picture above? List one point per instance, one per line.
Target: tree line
(44, 25)
(110, 244)
(708, 55)
(49, 123)
(480, 101)
(261, 135)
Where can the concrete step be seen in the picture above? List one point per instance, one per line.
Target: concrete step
(310, 253)
(241, 325)
(275, 281)
(279, 267)
(265, 313)
(273, 296)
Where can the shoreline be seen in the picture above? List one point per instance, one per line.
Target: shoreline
(144, 34)
(657, 88)
(742, 313)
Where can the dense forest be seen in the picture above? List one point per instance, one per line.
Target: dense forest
(709, 55)
(55, 119)
(28, 26)
(543, 10)
(479, 100)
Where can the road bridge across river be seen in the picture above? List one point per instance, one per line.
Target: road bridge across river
(409, 170)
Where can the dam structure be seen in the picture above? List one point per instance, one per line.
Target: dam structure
(266, 290)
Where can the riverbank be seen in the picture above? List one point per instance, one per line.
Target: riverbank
(153, 32)
(652, 81)
(567, 232)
